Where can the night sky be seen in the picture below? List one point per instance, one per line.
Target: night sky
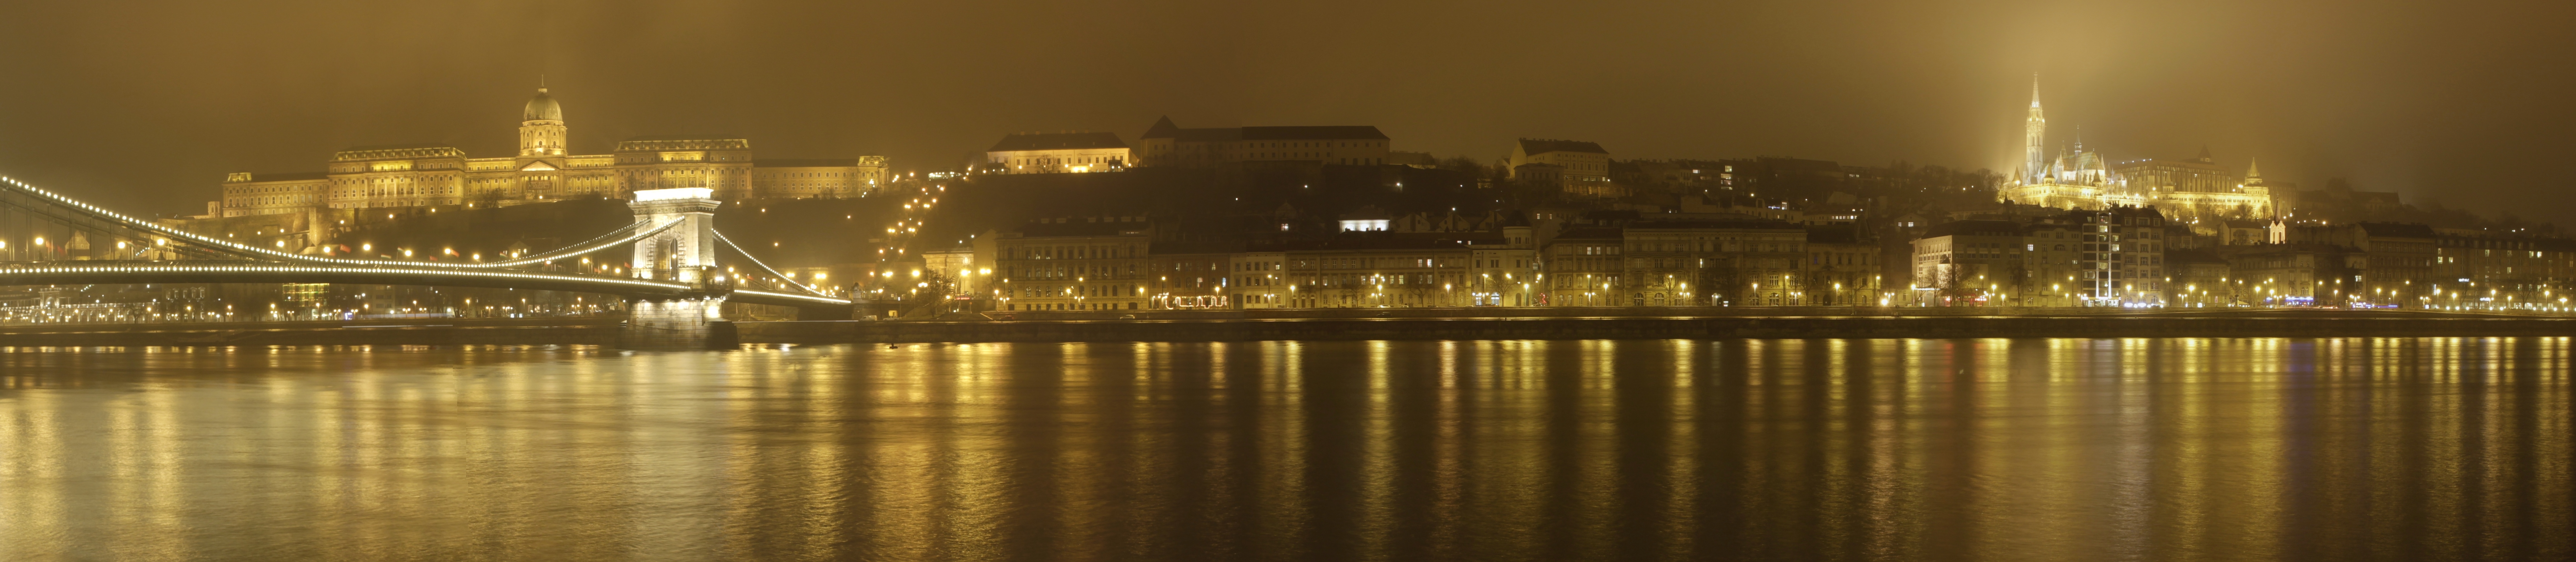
(145, 105)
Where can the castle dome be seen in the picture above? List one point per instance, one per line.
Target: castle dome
(542, 108)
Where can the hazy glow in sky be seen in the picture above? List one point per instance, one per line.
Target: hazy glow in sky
(145, 106)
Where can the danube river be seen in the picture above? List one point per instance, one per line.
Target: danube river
(2071, 449)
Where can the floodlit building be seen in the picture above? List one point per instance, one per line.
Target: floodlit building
(1092, 263)
(1578, 167)
(1710, 262)
(1374, 270)
(544, 168)
(2499, 270)
(1843, 267)
(1580, 159)
(2195, 191)
(1258, 279)
(2122, 261)
(1969, 263)
(1505, 272)
(1059, 153)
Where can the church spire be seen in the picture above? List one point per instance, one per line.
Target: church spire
(2034, 131)
(2253, 169)
(2034, 93)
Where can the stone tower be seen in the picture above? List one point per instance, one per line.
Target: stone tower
(2035, 130)
(542, 146)
(541, 128)
(685, 253)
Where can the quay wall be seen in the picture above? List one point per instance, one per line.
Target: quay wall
(1397, 328)
(549, 332)
(1237, 326)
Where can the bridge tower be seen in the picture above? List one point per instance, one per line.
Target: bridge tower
(686, 254)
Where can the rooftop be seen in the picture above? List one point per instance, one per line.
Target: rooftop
(1164, 129)
(1057, 141)
(281, 176)
(806, 163)
(2402, 230)
(1541, 146)
(1085, 228)
(398, 151)
(1974, 228)
(682, 142)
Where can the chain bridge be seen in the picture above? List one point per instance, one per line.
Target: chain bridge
(675, 290)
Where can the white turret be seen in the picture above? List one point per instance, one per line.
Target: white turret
(2034, 131)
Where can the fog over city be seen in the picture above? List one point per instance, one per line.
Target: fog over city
(1158, 280)
(144, 106)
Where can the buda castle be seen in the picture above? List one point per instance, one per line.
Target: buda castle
(2196, 191)
(370, 177)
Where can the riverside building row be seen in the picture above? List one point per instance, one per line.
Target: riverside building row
(2138, 257)
(2114, 257)
(1120, 263)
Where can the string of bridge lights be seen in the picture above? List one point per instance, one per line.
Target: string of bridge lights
(8, 271)
(633, 232)
(546, 257)
(720, 237)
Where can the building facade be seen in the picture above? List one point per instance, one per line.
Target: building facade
(1577, 167)
(1969, 263)
(1166, 144)
(2196, 191)
(1075, 264)
(1376, 271)
(1505, 272)
(1580, 160)
(2122, 261)
(1058, 153)
(543, 168)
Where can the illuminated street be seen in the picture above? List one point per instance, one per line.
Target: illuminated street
(1146, 280)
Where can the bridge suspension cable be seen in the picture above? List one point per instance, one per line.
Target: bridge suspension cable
(594, 245)
(124, 272)
(288, 267)
(720, 237)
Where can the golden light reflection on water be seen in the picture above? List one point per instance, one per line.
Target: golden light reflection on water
(2156, 449)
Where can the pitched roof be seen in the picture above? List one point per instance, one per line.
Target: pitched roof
(1322, 132)
(1177, 247)
(1743, 224)
(1590, 233)
(1057, 141)
(287, 176)
(1164, 129)
(1974, 228)
(398, 151)
(1833, 234)
(682, 142)
(2401, 230)
(2179, 257)
(1375, 240)
(1035, 230)
(806, 163)
(1540, 146)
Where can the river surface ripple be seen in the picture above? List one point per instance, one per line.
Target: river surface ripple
(2066, 449)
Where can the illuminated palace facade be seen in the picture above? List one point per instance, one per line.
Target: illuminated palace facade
(2196, 191)
(544, 169)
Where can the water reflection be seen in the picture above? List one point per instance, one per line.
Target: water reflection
(2161, 449)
